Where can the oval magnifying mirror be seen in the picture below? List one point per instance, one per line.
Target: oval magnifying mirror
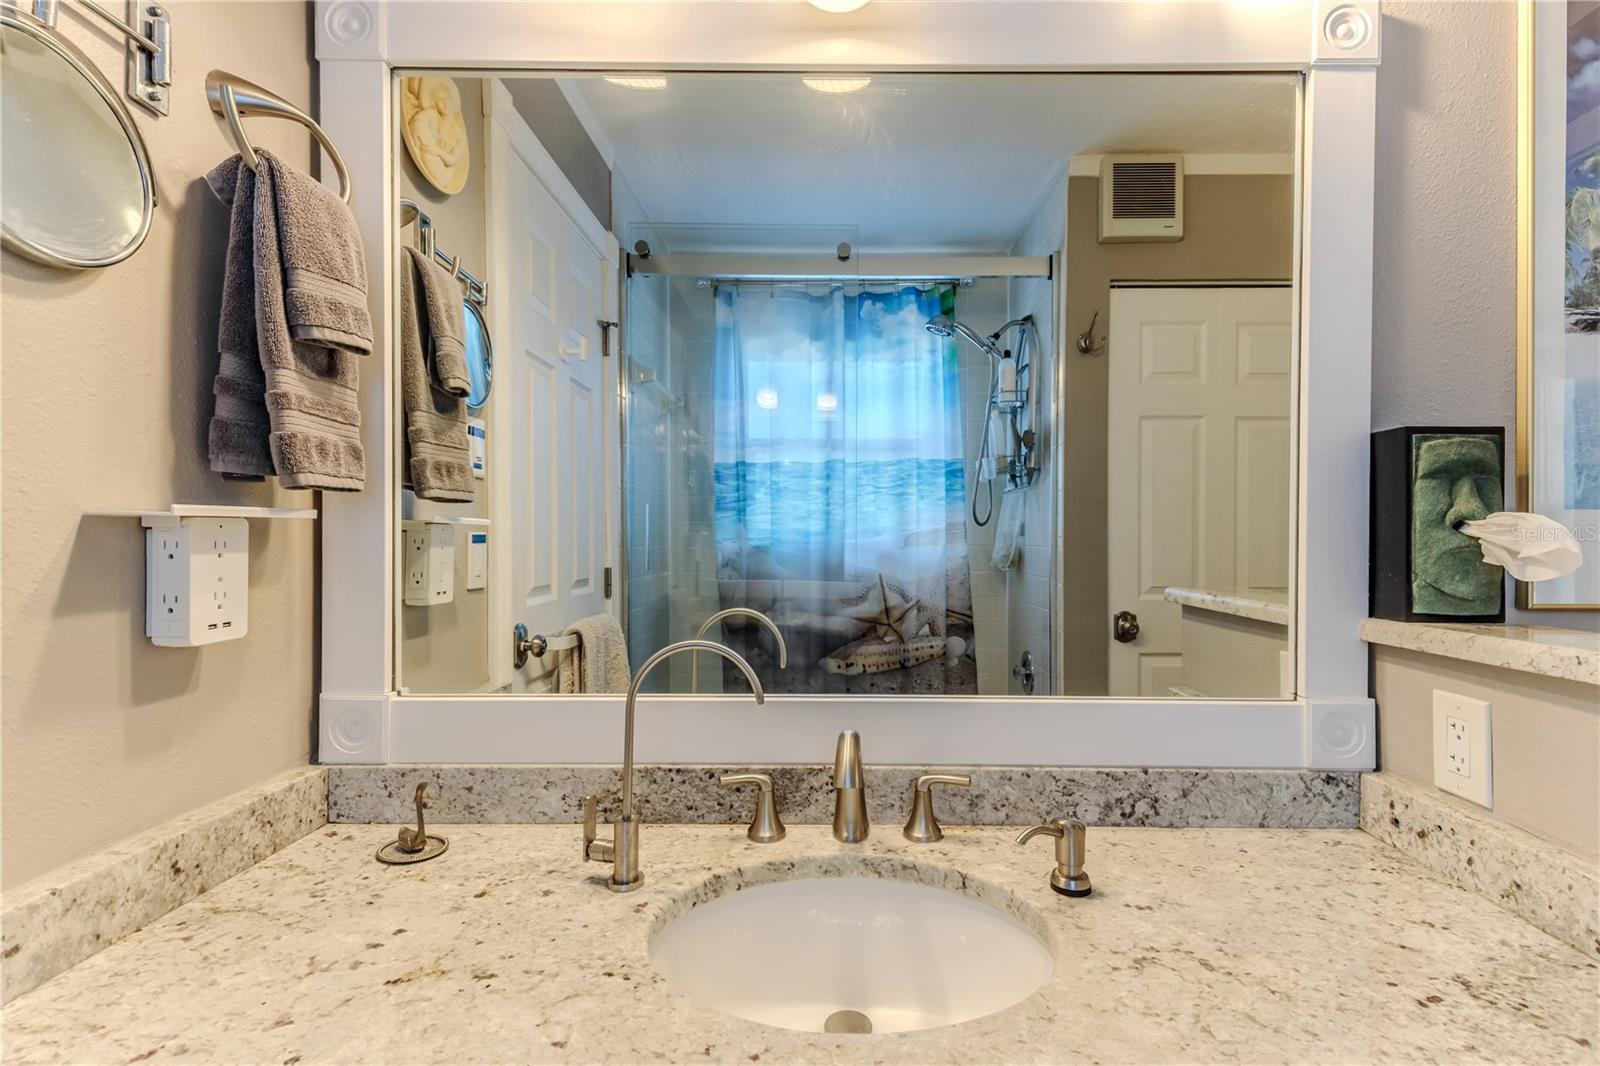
(480, 356)
(75, 182)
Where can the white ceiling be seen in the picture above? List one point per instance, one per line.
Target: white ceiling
(910, 162)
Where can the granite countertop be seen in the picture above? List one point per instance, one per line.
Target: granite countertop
(1550, 651)
(1261, 605)
(1199, 945)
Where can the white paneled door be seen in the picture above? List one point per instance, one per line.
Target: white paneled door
(1198, 464)
(553, 406)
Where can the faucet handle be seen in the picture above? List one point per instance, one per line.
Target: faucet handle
(922, 827)
(766, 827)
(594, 850)
(1068, 877)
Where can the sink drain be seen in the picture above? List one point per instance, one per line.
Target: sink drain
(847, 1021)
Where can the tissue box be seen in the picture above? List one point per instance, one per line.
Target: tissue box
(1426, 480)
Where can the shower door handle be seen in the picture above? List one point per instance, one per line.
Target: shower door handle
(1125, 627)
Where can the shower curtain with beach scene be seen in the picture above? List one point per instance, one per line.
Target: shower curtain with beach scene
(839, 486)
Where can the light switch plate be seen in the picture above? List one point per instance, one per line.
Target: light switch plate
(1462, 747)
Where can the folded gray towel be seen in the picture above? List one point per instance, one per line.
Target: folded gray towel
(446, 349)
(438, 464)
(240, 427)
(600, 662)
(303, 275)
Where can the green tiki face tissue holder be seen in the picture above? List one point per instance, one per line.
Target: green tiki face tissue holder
(1426, 481)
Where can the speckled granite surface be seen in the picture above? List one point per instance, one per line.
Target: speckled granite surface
(1203, 945)
(50, 924)
(1548, 651)
(1552, 888)
(507, 794)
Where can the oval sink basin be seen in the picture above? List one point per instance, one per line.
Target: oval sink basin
(818, 954)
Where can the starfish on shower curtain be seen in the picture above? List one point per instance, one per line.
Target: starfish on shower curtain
(891, 616)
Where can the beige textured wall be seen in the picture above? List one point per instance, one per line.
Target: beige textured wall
(445, 648)
(106, 383)
(1235, 227)
(1444, 309)
(1545, 735)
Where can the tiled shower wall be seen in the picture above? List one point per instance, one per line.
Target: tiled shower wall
(1030, 582)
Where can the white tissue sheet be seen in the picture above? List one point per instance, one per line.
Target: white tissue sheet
(1530, 546)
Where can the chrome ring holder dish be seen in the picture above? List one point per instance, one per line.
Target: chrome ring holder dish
(414, 845)
(69, 251)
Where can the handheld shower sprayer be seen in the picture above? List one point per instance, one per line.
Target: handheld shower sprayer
(988, 456)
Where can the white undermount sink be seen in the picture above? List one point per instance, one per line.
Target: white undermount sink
(795, 953)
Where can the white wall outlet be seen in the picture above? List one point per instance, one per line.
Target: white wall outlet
(477, 559)
(197, 581)
(430, 549)
(1461, 747)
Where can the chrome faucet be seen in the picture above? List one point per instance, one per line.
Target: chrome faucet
(623, 851)
(849, 790)
(747, 612)
(1068, 877)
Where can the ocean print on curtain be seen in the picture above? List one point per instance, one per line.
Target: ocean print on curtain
(840, 486)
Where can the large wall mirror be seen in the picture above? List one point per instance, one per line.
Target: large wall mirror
(949, 385)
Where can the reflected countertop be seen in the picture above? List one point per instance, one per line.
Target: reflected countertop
(1198, 945)
(1262, 605)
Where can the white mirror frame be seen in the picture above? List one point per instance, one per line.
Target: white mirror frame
(1335, 44)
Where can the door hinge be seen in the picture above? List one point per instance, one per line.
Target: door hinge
(608, 582)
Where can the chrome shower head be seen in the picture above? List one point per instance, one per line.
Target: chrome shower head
(945, 326)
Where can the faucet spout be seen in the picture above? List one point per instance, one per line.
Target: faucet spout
(633, 696)
(624, 850)
(735, 612)
(849, 790)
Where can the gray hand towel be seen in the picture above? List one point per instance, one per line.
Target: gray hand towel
(441, 299)
(438, 464)
(600, 662)
(304, 276)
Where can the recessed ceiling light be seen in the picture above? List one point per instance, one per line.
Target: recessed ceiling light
(767, 399)
(827, 401)
(642, 81)
(837, 85)
(838, 7)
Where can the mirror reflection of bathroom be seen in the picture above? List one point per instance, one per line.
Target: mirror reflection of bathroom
(903, 384)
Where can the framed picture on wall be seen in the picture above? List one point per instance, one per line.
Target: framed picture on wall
(1558, 285)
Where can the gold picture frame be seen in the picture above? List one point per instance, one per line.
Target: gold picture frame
(1544, 336)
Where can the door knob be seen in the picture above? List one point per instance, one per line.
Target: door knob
(1125, 627)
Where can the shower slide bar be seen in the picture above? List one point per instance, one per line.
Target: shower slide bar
(765, 266)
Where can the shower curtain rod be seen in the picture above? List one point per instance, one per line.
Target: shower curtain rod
(838, 279)
(764, 266)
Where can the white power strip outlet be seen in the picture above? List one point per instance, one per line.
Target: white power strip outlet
(197, 582)
(430, 552)
(1461, 747)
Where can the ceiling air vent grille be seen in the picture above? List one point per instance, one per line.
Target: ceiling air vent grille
(1141, 198)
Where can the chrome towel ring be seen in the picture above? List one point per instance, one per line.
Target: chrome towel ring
(234, 99)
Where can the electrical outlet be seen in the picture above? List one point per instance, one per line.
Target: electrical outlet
(197, 581)
(430, 549)
(1461, 746)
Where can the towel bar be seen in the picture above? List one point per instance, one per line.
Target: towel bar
(233, 99)
(427, 244)
(538, 644)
